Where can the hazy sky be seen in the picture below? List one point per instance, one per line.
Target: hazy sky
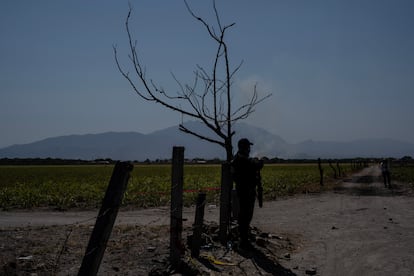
(338, 70)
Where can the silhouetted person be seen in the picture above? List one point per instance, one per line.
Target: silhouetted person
(246, 175)
(385, 170)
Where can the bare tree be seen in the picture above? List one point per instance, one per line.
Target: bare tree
(209, 98)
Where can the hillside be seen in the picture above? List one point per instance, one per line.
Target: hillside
(158, 145)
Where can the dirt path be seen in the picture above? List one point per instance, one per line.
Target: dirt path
(360, 228)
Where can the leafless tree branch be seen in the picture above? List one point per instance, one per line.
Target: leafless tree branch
(208, 99)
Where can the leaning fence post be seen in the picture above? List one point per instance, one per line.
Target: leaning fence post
(198, 225)
(176, 215)
(106, 219)
(225, 202)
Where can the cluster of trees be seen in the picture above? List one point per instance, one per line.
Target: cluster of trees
(58, 161)
(52, 161)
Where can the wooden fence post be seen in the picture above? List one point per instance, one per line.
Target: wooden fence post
(320, 172)
(198, 225)
(339, 169)
(225, 202)
(106, 219)
(235, 205)
(176, 227)
(333, 168)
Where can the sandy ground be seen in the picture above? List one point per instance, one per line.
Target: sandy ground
(360, 228)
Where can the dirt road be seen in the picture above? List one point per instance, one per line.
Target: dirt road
(360, 228)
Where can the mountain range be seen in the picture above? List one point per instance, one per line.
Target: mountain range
(158, 145)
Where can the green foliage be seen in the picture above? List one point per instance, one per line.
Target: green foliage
(58, 186)
(280, 180)
(403, 173)
(83, 186)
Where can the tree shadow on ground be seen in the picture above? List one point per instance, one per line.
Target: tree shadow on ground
(260, 260)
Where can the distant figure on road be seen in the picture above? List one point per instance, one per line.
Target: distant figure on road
(246, 175)
(385, 169)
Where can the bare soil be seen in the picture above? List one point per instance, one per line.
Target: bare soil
(359, 228)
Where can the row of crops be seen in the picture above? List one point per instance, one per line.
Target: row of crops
(83, 186)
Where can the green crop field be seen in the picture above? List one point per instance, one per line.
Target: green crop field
(403, 173)
(83, 186)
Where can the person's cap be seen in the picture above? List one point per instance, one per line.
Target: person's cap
(244, 143)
